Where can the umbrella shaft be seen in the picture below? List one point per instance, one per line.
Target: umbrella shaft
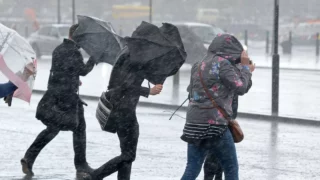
(4, 41)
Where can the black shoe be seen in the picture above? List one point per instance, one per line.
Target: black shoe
(83, 176)
(84, 168)
(26, 167)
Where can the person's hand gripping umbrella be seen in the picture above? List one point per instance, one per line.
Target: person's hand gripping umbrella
(17, 62)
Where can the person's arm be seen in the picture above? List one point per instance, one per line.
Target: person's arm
(84, 69)
(7, 89)
(248, 88)
(235, 107)
(144, 91)
(189, 88)
(115, 93)
(239, 67)
(249, 85)
(232, 80)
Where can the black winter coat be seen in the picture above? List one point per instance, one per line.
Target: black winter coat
(124, 91)
(63, 85)
(125, 83)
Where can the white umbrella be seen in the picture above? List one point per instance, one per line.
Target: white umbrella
(17, 62)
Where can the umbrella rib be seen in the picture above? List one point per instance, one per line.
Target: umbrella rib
(4, 41)
(20, 48)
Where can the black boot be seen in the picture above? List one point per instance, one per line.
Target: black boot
(26, 167)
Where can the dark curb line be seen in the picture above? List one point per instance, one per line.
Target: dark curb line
(280, 119)
(255, 117)
(289, 69)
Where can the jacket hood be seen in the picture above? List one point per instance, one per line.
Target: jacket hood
(226, 46)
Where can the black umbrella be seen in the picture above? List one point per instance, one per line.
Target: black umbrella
(158, 52)
(98, 39)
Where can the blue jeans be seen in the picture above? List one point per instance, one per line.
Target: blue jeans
(223, 148)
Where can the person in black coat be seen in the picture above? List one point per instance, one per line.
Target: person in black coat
(124, 91)
(61, 108)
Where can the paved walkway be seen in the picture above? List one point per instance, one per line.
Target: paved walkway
(299, 90)
(269, 151)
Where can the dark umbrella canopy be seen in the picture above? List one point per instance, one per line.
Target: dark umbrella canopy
(98, 39)
(158, 52)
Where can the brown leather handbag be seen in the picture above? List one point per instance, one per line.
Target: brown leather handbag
(234, 126)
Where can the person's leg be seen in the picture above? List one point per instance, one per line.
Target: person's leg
(218, 175)
(209, 167)
(195, 155)
(225, 151)
(128, 133)
(212, 167)
(128, 145)
(124, 171)
(33, 151)
(79, 143)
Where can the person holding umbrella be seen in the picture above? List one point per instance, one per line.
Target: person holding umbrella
(153, 54)
(61, 107)
(7, 89)
(18, 64)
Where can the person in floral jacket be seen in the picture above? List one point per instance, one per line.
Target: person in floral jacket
(206, 129)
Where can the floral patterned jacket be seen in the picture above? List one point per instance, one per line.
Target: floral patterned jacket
(222, 78)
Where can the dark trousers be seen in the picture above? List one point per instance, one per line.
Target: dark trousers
(212, 168)
(79, 141)
(128, 134)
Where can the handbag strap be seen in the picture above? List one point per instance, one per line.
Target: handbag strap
(210, 97)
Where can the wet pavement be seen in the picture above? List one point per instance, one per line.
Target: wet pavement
(299, 90)
(269, 152)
